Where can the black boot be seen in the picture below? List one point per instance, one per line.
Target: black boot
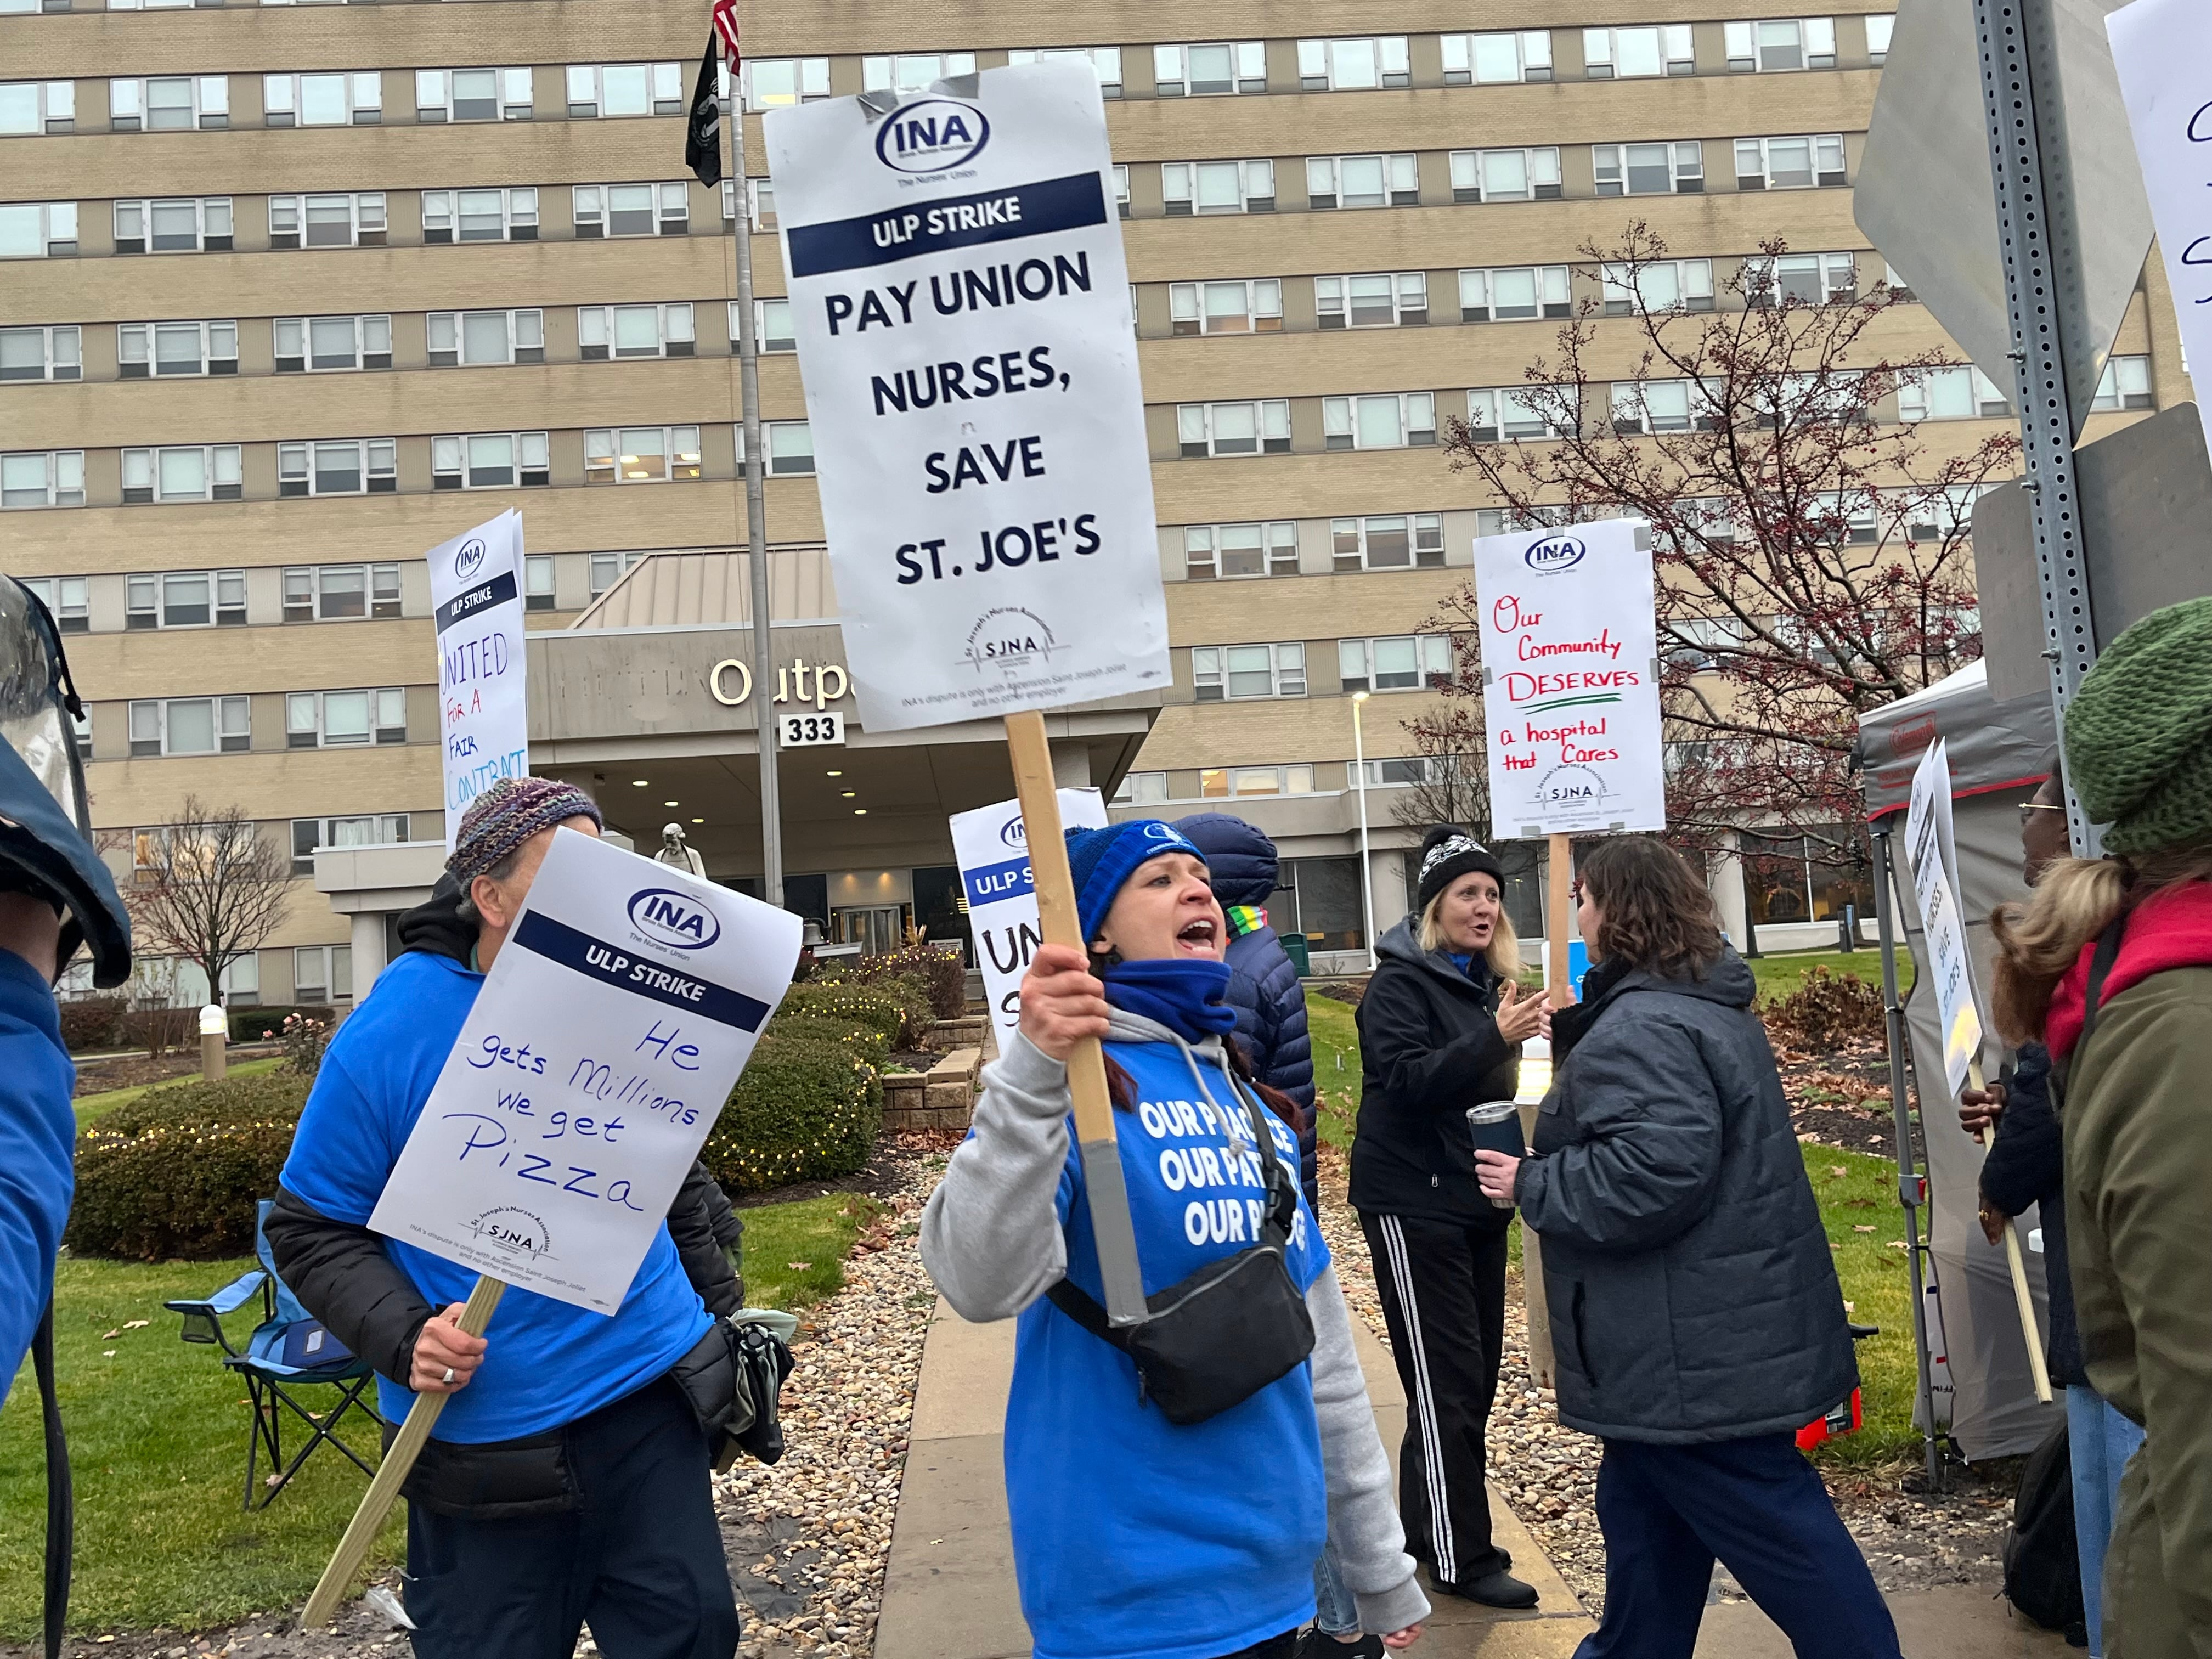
(1497, 1589)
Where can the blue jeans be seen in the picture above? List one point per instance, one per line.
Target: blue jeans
(2099, 1443)
(1335, 1613)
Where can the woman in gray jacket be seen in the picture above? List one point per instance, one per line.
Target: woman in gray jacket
(1695, 1318)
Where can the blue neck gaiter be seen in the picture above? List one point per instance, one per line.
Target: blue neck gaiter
(1180, 992)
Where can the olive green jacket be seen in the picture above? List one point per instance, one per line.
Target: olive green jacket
(2138, 1127)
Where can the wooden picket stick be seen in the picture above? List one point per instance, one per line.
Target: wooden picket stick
(1030, 752)
(1559, 911)
(392, 1474)
(2020, 1294)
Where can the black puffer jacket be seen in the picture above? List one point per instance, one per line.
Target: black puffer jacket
(1429, 1048)
(1691, 1293)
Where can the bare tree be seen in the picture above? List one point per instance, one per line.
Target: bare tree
(1813, 560)
(207, 888)
(1453, 785)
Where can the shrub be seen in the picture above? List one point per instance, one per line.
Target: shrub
(942, 974)
(876, 1007)
(305, 1039)
(266, 1025)
(870, 1045)
(806, 1109)
(160, 1030)
(175, 1173)
(1830, 1011)
(91, 1023)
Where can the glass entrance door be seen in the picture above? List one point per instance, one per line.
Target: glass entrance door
(876, 928)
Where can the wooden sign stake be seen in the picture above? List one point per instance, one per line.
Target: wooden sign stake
(1030, 751)
(392, 1474)
(1559, 911)
(2020, 1294)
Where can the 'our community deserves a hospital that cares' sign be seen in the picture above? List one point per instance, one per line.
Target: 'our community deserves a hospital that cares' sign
(961, 308)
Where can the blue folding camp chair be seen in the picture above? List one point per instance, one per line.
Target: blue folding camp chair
(289, 1350)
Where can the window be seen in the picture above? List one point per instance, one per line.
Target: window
(1396, 541)
(1404, 663)
(1122, 193)
(1254, 428)
(760, 204)
(1232, 674)
(1879, 27)
(1210, 71)
(1499, 412)
(67, 598)
(143, 349)
(1505, 175)
(337, 219)
(632, 210)
(619, 89)
(1649, 406)
(1949, 394)
(474, 94)
(1624, 54)
(1141, 789)
(1352, 65)
(1189, 187)
(1362, 181)
(190, 726)
(169, 103)
(54, 477)
(41, 354)
(1513, 294)
(191, 473)
(790, 447)
(607, 568)
(323, 101)
(185, 598)
(37, 230)
(777, 82)
(322, 974)
(1677, 169)
(771, 325)
(481, 215)
(1789, 163)
(1702, 641)
(1413, 769)
(179, 225)
(2125, 384)
(1659, 285)
(1393, 420)
(1239, 307)
(488, 461)
(370, 829)
(1219, 782)
(338, 720)
(538, 587)
(1946, 513)
(339, 592)
(37, 106)
(606, 331)
(305, 344)
(1106, 61)
(1386, 300)
(345, 466)
(641, 454)
(1211, 550)
(913, 71)
(476, 337)
(1497, 59)
(1899, 289)
(1791, 44)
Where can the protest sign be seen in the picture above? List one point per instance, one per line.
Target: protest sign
(991, 846)
(2163, 51)
(961, 308)
(607, 1036)
(1935, 891)
(1570, 681)
(476, 590)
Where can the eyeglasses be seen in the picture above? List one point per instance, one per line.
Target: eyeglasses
(2028, 807)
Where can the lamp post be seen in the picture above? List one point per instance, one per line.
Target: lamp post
(1366, 860)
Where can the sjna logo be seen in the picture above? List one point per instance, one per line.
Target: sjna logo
(469, 559)
(1554, 553)
(931, 135)
(670, 918)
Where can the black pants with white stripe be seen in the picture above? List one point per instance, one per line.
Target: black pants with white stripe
(1444, 1299)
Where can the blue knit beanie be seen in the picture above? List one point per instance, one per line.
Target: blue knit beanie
(1102, 860)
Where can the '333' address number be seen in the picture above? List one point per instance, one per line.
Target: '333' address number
(800, 731)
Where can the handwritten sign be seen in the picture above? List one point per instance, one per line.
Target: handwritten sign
(475, 588)
(1570, 681)
(961, 308)
(609, 1032)
(2163, 51)
(992, 847)
(1935, 890)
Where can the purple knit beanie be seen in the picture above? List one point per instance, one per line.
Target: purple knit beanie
(509, 813)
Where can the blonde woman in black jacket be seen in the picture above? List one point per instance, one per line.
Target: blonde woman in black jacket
(1440, 1029)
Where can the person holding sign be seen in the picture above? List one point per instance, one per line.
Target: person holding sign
(2109, 965)
(567, 1478)
(1697, 1321)
(1142, 1526)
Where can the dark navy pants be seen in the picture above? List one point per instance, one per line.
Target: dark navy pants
(1756, 1505)
(641, 1559)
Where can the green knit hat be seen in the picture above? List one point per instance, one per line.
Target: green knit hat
(2139, 733)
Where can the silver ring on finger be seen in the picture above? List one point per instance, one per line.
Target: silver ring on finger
(447, 1379)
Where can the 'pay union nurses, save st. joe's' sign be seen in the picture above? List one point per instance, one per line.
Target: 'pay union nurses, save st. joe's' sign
(992, 848)
(962, 313)
(476, 587)
(1571, 680)
(609, 1032)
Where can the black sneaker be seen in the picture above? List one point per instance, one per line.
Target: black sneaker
(1314, 1643)
(1499, 1588)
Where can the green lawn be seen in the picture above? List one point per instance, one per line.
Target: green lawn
(1336, 1066)
(1779, 973)
(92, 1107)
(157, 1439)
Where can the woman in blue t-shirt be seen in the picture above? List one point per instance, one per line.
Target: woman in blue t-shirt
(1132, 1535)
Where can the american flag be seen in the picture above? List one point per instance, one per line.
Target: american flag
(725, 16)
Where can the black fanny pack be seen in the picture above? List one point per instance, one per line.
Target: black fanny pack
(1228, 1330)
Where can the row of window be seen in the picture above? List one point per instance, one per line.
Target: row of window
(1382, 541)
(224, 725)
(1237, 673)
(1294, 778)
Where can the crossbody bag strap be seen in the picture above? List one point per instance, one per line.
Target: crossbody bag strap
(1282, 1192)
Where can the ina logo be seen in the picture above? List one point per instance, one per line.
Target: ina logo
(931, 135)
(668, 917)
(1554, 553)
(469, 559)
(1009, 636)
(1015, 834)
